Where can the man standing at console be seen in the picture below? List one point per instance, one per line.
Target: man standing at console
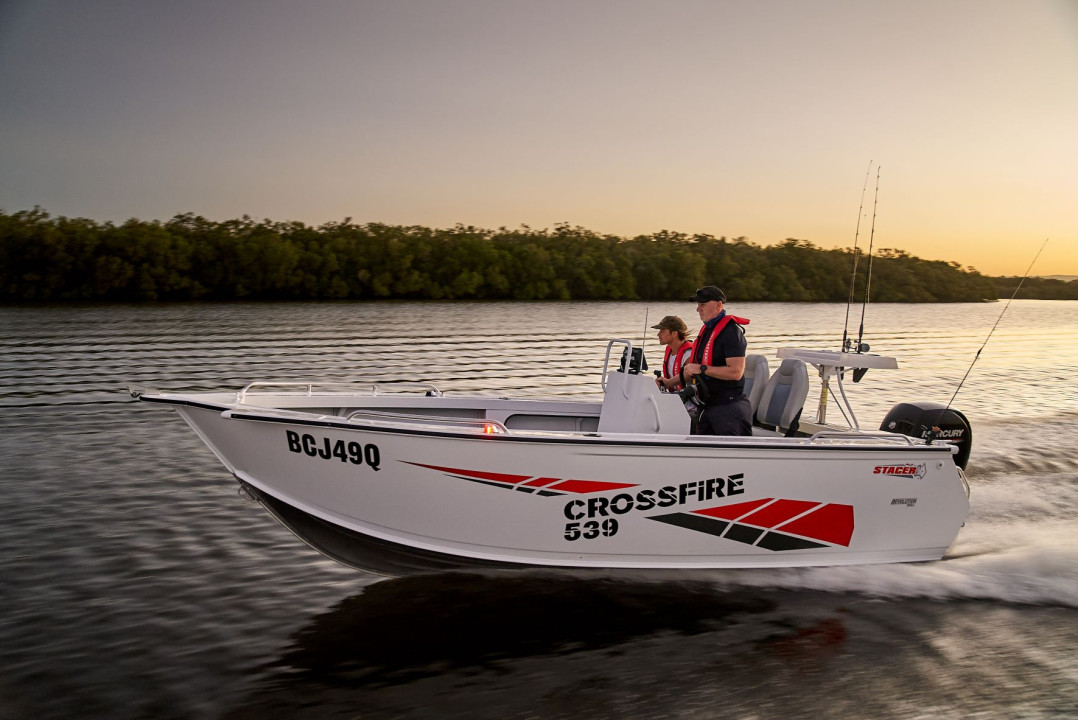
(719, 354)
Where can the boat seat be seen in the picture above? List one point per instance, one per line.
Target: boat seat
(784, 396)
(756, 372)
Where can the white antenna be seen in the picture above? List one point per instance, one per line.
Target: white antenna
(646, 311)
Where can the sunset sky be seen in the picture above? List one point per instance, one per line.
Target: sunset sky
(742, 118)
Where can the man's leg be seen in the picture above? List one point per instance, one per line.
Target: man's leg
(729, 419)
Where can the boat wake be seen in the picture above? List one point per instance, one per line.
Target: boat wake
(1017, 546)
(1003, 447)
(1038, 568)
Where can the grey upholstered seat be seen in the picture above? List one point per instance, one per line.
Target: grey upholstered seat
(756, 371)
(784, 395)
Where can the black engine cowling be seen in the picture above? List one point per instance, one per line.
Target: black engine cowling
(917, 419)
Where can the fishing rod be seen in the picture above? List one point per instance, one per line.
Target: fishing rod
(868, 275)
(978, 354)
(853, 275)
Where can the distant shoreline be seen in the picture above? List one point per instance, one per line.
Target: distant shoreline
(190, 258)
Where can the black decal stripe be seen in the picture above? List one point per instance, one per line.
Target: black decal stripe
(693, 522)
(743, 533)
(773, 541)
(779, 541)
(484, 482)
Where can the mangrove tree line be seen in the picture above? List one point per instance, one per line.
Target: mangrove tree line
(45, 258)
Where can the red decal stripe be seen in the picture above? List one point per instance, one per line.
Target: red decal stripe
(496, 477)
(777, 512)
(540, 482)
(571, 486)
(732, 512)
(831, 523)
(589, 486)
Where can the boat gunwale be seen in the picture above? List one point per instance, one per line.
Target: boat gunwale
(857, 441)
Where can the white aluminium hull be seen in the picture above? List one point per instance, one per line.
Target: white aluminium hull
(374, 494)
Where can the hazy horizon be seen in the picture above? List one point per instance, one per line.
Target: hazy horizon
(627, 118)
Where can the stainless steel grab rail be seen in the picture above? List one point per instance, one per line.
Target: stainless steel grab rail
(628, 353)
(493, 425)
(861, 436)
(242, 394)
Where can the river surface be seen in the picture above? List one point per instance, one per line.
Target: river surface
(136, 583)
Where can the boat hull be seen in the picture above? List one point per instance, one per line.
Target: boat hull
(366, 552)
(398, 500)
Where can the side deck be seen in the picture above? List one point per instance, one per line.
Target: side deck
(633, 412)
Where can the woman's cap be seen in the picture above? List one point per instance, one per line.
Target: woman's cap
(672, 322)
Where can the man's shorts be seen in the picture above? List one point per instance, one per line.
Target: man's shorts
(733, 418)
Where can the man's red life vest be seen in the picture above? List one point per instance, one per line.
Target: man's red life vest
(685, 350)
(710, 346)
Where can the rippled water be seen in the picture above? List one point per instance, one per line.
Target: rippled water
(135, 583)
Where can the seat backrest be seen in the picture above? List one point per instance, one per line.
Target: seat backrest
(756, 371)
(784, 395)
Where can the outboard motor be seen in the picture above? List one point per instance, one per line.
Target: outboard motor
(934, 422)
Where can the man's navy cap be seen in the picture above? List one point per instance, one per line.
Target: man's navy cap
(707, 294)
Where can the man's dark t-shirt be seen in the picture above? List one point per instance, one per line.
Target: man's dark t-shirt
(731, 343)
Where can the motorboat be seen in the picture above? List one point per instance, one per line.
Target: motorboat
(401, 479)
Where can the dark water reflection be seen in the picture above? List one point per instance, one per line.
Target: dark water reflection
(134, 583)
(461, 621)
(538, 647)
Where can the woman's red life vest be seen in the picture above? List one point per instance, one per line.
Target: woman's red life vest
(683, 352)
(709, 348)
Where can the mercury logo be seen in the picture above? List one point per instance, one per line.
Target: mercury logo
(950, 434)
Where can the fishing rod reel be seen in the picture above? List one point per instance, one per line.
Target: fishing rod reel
(855, 346)
(850, 345)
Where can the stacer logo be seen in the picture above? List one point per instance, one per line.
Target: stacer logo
(907, 470)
